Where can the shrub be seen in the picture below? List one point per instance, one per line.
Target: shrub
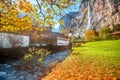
(35, 54)
(116, 27)
(104, 33)
(114, 37)
(89, 35)
(32, 61)
(78, 44)
(73, 38)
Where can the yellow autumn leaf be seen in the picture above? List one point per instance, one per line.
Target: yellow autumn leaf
(37, 36)
(36, 28)
(61, 22)
(5, 11)
(52, 22)
(40, 60)
(0, 8)
(66, 1)
(48, 10)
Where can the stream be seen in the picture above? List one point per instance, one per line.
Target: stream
(8, 72)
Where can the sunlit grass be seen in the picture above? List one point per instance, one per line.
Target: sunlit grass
(107, 51)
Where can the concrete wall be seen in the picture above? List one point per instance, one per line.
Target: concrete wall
(8, 40)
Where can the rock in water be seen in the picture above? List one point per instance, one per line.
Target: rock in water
(2, 73)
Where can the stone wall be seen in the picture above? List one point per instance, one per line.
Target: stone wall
(12, 40)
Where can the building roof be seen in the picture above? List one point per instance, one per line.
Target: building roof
(116, 32)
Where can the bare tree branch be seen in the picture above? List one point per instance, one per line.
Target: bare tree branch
(41, 11)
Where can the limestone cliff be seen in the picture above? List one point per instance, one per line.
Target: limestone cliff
(95, 13)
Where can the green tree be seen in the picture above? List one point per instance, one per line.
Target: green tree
(104, 33)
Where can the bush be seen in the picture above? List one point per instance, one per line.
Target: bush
(116, 27)
(73, 38)
(114, 37)
(76, 44)
(89, 35)
(32, 61)
(103, 33)
(35, 54)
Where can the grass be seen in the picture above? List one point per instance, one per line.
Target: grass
(108, 51)
(94, 61)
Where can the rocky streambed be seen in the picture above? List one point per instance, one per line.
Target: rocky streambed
(9, 72)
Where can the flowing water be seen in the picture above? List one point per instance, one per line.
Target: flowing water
(89, 17)
(8, 72)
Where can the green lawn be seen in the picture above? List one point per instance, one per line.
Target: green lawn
(107, 51)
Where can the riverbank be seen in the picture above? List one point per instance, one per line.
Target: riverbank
(93, 61)
(7, 54)
(11, 70)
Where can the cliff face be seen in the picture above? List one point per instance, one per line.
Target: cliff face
(95, 13)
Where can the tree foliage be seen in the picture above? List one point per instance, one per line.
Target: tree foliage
(10, 20)
(40, 15)
(89, 35)
(104, 33)
(32, 61)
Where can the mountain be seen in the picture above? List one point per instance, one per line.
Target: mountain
(94, 14)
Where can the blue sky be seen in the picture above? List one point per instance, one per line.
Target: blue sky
(72, 8)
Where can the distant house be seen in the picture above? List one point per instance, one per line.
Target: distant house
(116, 35)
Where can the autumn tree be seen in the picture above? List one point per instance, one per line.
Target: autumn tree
(10, 21)
(89, 35)
(37, 16)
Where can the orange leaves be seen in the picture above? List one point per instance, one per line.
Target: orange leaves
(14, 24)
(114, 78)
(9, 28)
(64, 72)
(78, 68)
(29, 6)
(14, 12)
(26, 6)
(49, 1)
(89, 35)
(20, 5)
(2, 5)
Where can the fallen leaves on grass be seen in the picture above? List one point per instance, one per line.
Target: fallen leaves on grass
(80, 68)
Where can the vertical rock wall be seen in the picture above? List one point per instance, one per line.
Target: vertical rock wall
(96, 13)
